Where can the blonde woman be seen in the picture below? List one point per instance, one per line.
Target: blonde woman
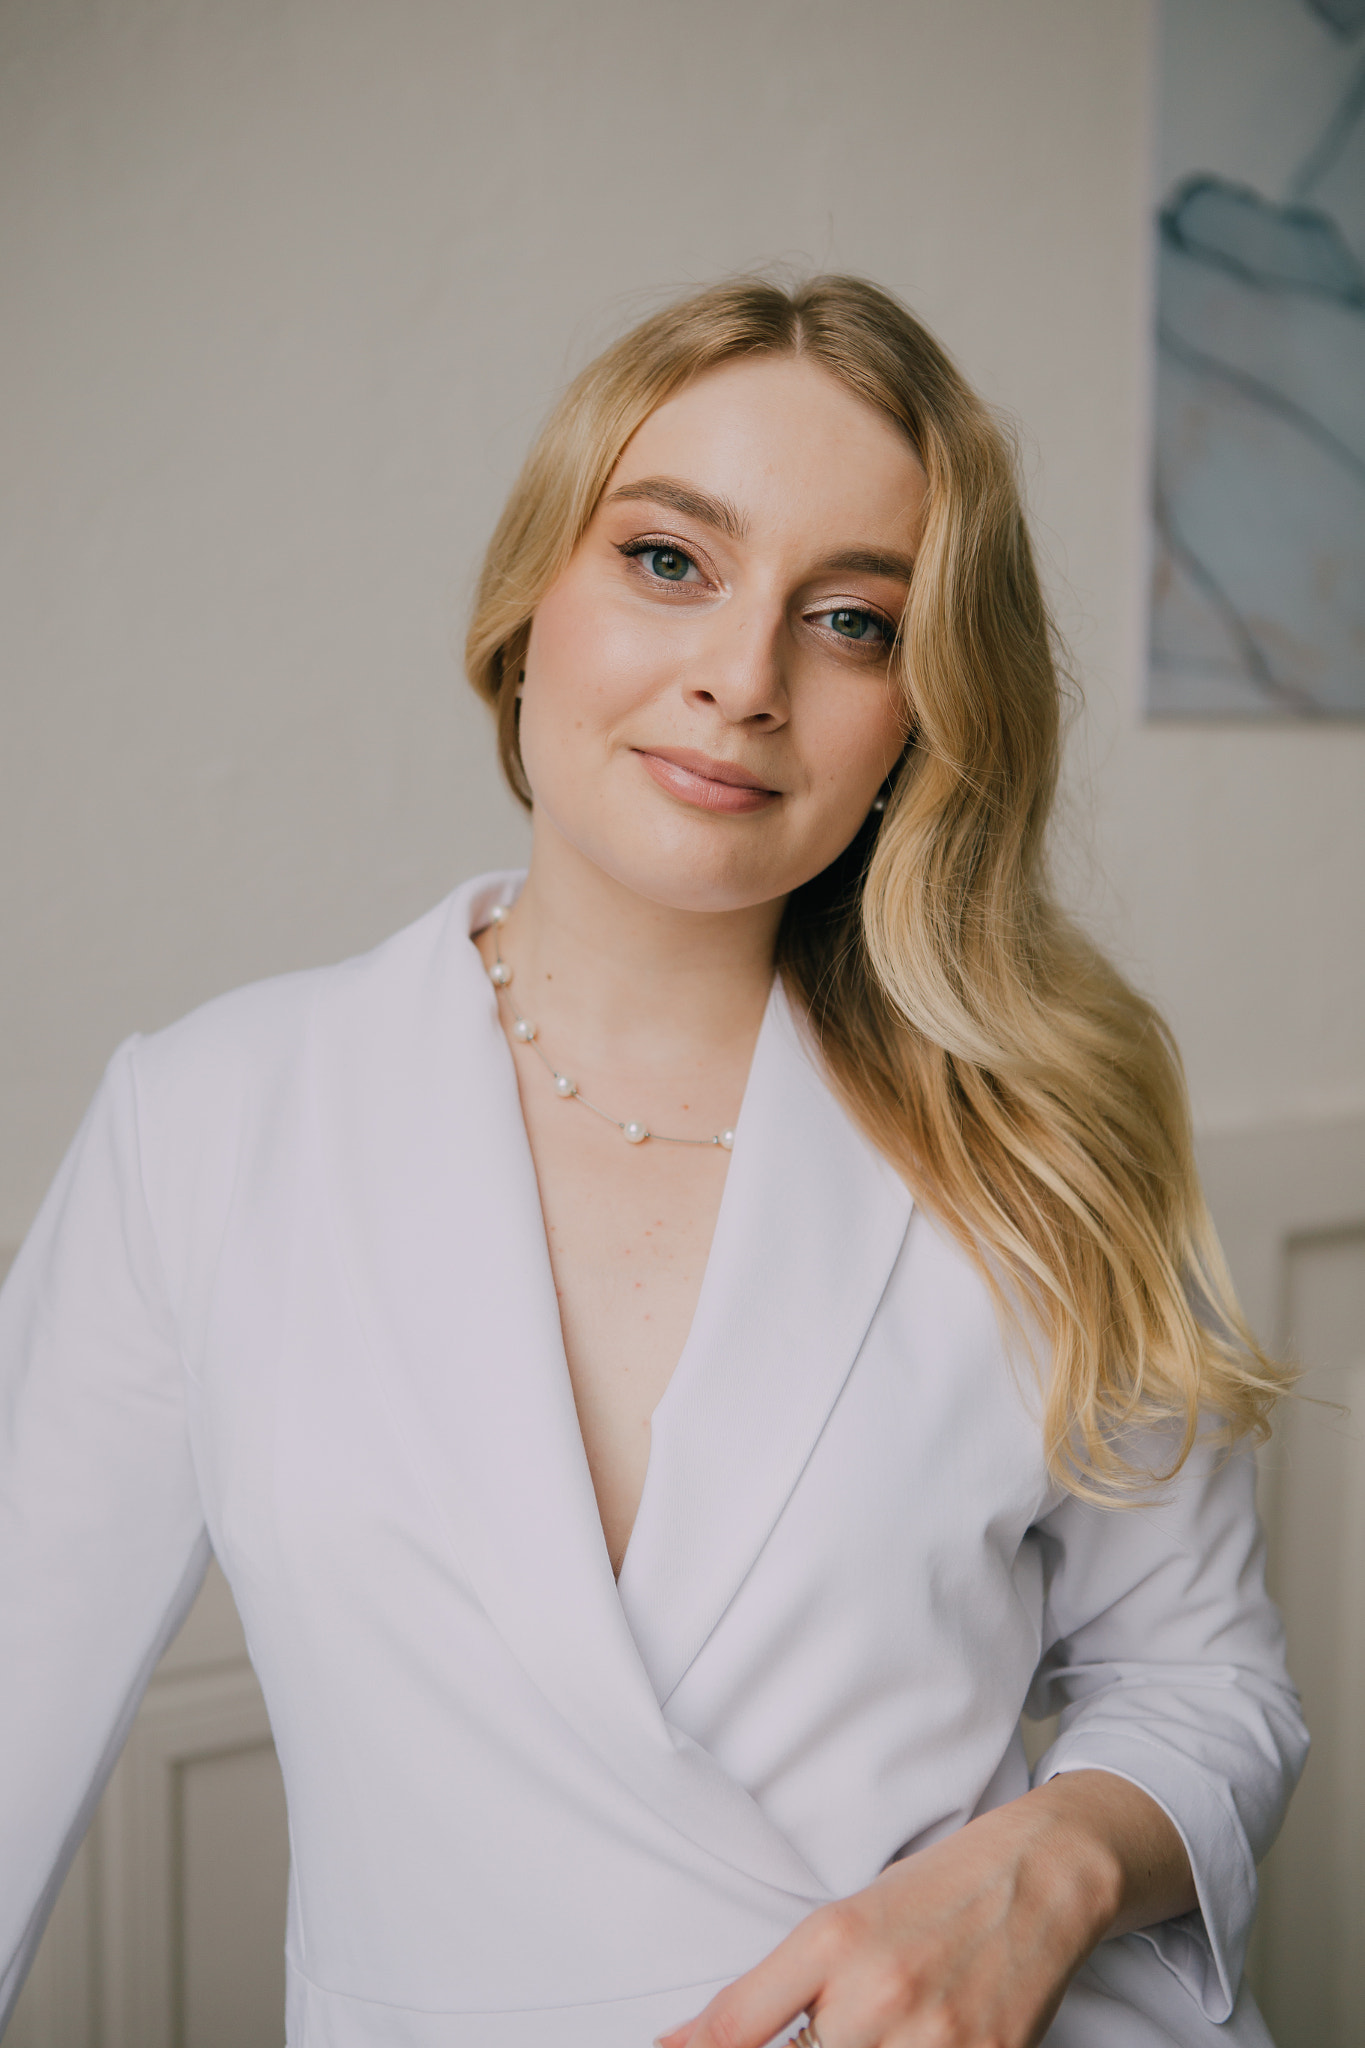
(675, 1350)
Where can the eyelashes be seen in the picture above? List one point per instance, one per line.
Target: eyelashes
(857, 625)
(666, 563)
(860, 628)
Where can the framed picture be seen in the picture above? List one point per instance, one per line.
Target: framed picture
(1258, 588)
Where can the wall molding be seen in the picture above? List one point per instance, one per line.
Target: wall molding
(1289, 1204)
(110, 1971)
(183, 1720)
(1271, 1184)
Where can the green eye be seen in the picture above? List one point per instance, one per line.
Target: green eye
(670, 563)
(852, 625)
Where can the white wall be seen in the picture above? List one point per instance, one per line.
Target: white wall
(287, 284)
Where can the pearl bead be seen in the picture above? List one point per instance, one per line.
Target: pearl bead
(564, 1086)
(499, 974)
(524, 1029)
(727, 1139)
(498, 914)
(634, 1133)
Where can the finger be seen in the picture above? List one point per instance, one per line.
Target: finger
(678, 2037)
(756, 2007)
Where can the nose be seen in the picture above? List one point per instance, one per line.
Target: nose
(739, 668)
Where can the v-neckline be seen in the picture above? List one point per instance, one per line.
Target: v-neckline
(431, 1207)
(675, 1393)
(479, 909)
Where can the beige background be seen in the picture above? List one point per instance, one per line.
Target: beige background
(285, 286)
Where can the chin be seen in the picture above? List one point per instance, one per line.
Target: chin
(709, 870)
(687, 860)
(686, 865)
(706, 888)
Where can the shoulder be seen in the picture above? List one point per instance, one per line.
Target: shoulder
(228, 1090)
(250, 1037)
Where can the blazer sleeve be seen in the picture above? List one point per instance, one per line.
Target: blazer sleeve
(1165, 1657)
(102, 1541)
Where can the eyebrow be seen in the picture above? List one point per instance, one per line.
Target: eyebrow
(871, 562)
(687, 499)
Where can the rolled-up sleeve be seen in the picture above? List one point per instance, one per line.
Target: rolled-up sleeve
(102, 1542)
(1165, 1657)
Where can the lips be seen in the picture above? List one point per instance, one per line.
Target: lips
(708, 784)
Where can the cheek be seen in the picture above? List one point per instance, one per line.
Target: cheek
(586, 661)
(853, 740)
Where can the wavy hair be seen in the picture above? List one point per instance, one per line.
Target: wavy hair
(1031, 1098)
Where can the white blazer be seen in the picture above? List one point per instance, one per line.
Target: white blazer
(290, 1299)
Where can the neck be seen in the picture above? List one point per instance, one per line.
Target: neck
(622, 973)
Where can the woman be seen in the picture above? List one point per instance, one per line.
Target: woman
(673, 1352)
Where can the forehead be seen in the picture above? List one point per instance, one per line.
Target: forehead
(790, 446)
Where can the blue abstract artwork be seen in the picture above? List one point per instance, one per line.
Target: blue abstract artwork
(1258, 592)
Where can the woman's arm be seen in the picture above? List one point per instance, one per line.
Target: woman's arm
(974, 1940)
(102, 1542)
(1181, 1741)
(1165, 1658)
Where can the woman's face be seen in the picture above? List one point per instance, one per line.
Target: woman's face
(707, 713)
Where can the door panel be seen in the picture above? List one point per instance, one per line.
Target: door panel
(1313, 1882)
(169, 1932)
(1289, 1203)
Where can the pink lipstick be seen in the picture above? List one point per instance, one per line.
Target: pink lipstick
(710, 785)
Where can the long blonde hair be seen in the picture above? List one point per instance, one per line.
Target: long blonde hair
(1032, 1099)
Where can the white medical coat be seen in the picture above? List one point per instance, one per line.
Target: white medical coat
(289, 1298)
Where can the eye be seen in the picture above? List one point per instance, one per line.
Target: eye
(850, 622)
(669, 564)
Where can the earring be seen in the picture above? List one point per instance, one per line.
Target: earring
(521, 684)
(879, 803)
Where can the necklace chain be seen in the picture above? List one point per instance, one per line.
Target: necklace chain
(526, 1033)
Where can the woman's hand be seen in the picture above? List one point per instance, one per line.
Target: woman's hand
(970, 1943)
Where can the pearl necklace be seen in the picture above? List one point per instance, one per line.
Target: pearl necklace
(525, 1033)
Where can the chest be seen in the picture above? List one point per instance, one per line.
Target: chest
(629, 1230)
(829, 1546)
(862, 1480)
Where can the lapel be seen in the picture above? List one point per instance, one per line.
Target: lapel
(437, 1213)
(811, 1223)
